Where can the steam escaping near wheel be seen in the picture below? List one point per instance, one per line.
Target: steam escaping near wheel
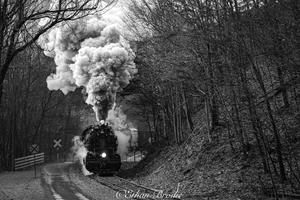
(90, 53)
(80, 153)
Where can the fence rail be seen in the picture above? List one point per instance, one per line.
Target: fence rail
(28, 161)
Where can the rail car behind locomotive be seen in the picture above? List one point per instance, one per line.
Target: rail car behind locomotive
(101, 144)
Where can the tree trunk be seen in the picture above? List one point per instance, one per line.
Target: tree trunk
(208, 121)
(185, 109)
(283, 87)
(239, 126)
(213, 104)
(254, 119)
(272, 120)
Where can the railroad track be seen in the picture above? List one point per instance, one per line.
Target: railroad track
(130, 189)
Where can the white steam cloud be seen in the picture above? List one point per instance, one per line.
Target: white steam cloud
(80, 153)
(123, 129)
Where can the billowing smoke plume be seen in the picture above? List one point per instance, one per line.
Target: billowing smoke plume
(90, 53)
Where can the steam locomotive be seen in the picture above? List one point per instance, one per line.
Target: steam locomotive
(101, 143)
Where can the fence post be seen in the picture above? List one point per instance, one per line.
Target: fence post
(34, 165)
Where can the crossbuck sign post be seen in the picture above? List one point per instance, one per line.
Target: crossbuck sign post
(34, 149)
(57, 145)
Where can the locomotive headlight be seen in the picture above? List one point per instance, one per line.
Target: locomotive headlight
(103, 155)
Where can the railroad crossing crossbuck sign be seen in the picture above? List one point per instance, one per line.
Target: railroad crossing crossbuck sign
(57, 144)
(34, 148)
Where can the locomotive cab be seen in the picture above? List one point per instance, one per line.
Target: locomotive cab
(101, 144)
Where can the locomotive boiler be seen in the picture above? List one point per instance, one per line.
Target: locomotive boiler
(101, 143)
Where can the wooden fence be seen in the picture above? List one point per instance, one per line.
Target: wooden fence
(28, 161)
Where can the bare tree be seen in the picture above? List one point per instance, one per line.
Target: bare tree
(238, 60)
(22, 22)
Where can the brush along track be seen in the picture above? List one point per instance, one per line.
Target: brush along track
(131, 189)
